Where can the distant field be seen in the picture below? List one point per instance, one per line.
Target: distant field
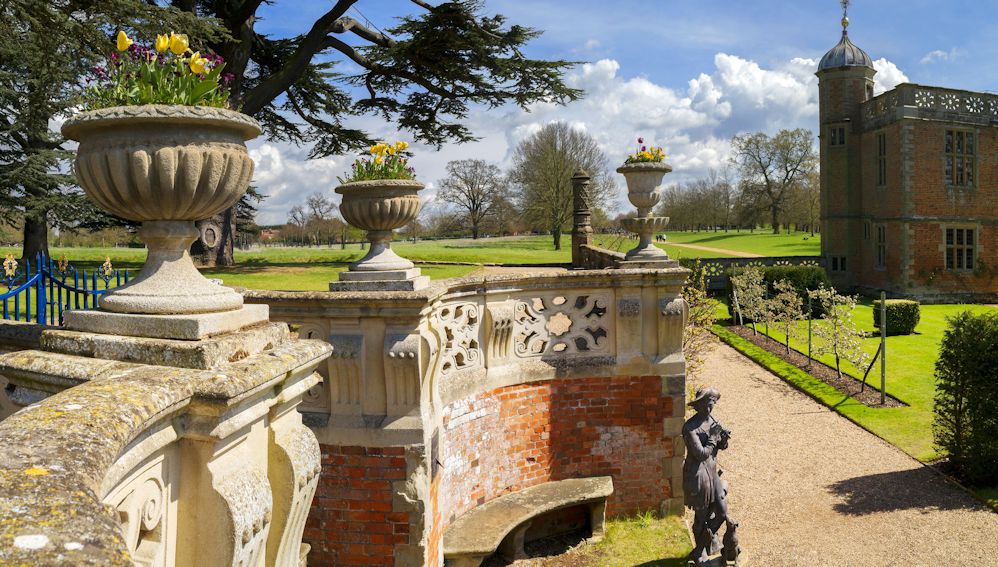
(296, 268)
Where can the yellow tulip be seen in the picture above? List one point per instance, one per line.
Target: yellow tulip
(198, 62)
(402, 146)
(178, 43)
(392, 150)
(377, 160)
(123, 41)
(162, 43)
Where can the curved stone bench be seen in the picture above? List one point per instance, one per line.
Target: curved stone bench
(501, 524)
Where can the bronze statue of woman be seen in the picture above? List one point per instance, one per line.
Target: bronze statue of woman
(705, 492)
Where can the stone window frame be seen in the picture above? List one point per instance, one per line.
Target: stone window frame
(881, 159)
(837, 263)
(867, 230)
(973, 248)
(881, 244)
(967, 159)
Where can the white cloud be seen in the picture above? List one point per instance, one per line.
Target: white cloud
(694, 125)
(940, 55)
(888, 76)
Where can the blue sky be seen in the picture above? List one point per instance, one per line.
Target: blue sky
(688, 75)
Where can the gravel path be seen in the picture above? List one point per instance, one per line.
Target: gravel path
(810, 488)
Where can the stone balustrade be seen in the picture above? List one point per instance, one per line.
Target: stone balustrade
(919, 101)
(133, 463)
(437, 400)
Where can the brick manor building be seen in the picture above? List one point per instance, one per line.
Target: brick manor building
(909, 184)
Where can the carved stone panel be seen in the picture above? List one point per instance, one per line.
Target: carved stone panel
(460, 325)
(561, 325)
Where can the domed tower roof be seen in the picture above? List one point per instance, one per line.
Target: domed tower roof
(845, 53)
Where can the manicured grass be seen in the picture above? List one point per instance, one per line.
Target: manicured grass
(911, 363)
(309, 277)
(760, 242)
(623, 243)
(643, 540)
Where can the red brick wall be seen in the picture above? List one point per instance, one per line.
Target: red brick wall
(518, 436)
(352, 521)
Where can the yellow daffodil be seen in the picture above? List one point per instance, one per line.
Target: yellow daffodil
(377, 160)
(198, 62)
(123, 41)
(162, 43)
(392, 150)
(402, 146)
(178, 43)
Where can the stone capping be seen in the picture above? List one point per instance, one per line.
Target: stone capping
(161, 113)
(479, 531)
(442, 290)
(21, 334)
(58, 452)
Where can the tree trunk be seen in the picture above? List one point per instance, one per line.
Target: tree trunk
(776, 220)
(474, 231)
(556, 234)
(214, 246)
(36, 236)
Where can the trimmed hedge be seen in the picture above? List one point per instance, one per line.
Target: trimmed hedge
(803, 278)
(966, 401)
(903, 316)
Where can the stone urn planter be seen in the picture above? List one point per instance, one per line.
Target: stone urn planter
(380, 207)
(644, 184)
(165, 166)
(644, 190)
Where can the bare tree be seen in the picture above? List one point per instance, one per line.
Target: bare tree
(297, 216)
(320, 207)
(770, 168)
(473, 186)
(543, 165)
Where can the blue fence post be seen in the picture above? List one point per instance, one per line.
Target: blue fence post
(39, 291)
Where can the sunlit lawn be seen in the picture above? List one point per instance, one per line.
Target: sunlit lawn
(911, 363)
(761, 241)
(303, 268)
(643, 540)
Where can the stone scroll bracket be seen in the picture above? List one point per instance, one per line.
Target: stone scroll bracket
(295, 464)
(673, 313)
(406, 358)
(226, 482)
(147, 508)
(344, 374)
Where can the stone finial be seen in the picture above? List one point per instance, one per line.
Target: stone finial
(580, 174)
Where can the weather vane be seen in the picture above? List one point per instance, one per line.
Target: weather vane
(845, 14)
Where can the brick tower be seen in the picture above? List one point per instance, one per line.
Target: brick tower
(845, 82)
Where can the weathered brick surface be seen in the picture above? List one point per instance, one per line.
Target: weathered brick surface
(915, 205)
(515, 437)
(352, 521)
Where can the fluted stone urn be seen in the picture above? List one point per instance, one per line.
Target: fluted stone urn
(644, 190)
(380, 207)
(166, 167)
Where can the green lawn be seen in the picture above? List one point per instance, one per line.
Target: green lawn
(623, 243)
(643, 540)
(761, 242)
(910, 378)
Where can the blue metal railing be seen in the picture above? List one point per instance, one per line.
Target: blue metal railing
(40, 291)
